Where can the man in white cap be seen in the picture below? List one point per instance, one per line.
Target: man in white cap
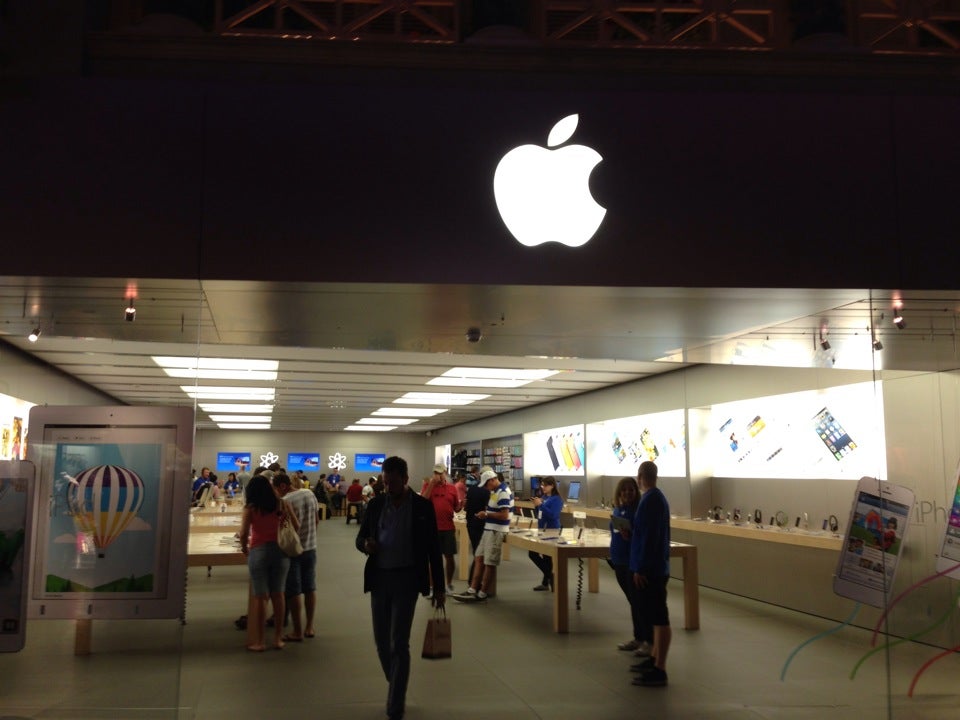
(446, 503)
(497, 524)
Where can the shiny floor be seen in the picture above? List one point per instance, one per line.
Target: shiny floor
(507, 663)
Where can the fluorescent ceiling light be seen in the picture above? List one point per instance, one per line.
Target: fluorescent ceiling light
(214, 392)
(490, 377)
(370, 428)
(253, 375)
(386, 421)
(427, 398)
(190, 363)
(244, 426)
(240, 418)
(409, 412)
(235, 408)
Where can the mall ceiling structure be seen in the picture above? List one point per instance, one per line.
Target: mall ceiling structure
(347, 353)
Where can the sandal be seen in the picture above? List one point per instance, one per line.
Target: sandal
(256, 648)
(292, 638)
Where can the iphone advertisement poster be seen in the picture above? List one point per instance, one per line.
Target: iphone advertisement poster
(617, 447)
(557, 451)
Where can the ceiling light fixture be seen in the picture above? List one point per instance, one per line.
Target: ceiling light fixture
(35, 335)
(236, 407)
(213, 392)
(426, 398)
(244, 426)
(370, 428)
(898, 320)
(877, 345)
(386, 421)
(490, 377)
(409, 412)
(130, 314)
(824, 343)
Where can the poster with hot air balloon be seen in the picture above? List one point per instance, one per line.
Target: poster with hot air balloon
(112, 530)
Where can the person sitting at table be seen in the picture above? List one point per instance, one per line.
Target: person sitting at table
(626, 497)
(232, 485)
(267, 564)
(548, 508)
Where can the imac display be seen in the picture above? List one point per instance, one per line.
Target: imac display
(308, 461)
(232, 461)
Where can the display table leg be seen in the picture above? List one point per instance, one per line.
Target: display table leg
(691, 590)
(83, 637)
(561, 596)
(593, 575)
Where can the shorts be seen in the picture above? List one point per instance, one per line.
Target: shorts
(302, 577)
(653, 601)
(491, 547)
(448, 542)
(268, 569)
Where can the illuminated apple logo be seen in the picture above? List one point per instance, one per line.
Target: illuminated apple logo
(544, 195)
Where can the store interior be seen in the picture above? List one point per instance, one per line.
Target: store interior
(679, 395)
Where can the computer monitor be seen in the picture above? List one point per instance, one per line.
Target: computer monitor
(535, 487)
(573, 492)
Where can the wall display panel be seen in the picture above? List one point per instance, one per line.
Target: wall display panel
(16, 520)
(232, 461)
(14, 414)
(834, 433)
(306, 461)
(617, 447)
(368, 462)
(557, 451)
(111, 526)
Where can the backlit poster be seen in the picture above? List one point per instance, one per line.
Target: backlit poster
(557, 451)
(617, 447)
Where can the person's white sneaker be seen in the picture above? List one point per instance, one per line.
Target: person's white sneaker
(450, 588)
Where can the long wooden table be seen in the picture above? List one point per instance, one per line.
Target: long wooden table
(593, 546)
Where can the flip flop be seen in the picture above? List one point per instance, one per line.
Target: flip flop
(309, 635)
(291, 638)
(256, 648)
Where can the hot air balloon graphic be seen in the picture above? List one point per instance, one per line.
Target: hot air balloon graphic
(103, 500)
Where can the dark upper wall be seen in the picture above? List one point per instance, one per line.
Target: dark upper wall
(336, 181)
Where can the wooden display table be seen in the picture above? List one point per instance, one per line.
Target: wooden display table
(749, 531)
(593, 546)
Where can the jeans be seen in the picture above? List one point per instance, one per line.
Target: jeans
(393, 601)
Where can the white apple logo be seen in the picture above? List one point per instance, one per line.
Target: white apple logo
(544, 195)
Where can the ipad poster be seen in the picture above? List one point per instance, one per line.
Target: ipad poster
(617, 447)
(101, 535)
(557, 451)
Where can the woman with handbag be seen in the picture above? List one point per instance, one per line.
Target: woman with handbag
(262, 516)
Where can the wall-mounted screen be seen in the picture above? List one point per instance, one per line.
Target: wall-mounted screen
(558, 451)
(232, 461)
(306, 461)
(617, 447)
(834, 433)
(368, 462)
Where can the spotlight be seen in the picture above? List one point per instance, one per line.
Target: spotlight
(130, 314)
(877, 345)
(35, 335)
(898, 320)
(824, 345)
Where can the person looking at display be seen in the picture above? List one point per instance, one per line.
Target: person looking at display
(650, 564)
(267, 564)
(496, 519)
(446, 504)
(626, 497)
(547, 507)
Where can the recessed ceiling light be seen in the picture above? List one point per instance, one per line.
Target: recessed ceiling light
(192, 363)
(235, 408)
(240, 418)
(253, 375)
(426, 398)
(409, 412)
(370, 428)
(490, 377)
(386, 421)
(213, 392)
(244, 426)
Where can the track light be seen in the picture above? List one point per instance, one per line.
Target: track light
(130, 314)
(877, 345)
(824, 344)
(898, 320)
(35, 335)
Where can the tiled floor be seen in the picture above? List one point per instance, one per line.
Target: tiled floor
(507, 663)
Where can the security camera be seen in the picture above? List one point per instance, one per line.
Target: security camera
(474, 335)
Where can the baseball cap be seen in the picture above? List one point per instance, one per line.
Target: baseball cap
(440, 468)
(487, 475)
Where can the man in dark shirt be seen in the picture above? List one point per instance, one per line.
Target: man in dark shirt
(477, 498)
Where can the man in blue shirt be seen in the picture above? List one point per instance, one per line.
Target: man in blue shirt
(650, 564)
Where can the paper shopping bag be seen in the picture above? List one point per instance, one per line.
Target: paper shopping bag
(438, 641)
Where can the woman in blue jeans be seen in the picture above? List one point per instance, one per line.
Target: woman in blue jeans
(548, 510)
(626, 497)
